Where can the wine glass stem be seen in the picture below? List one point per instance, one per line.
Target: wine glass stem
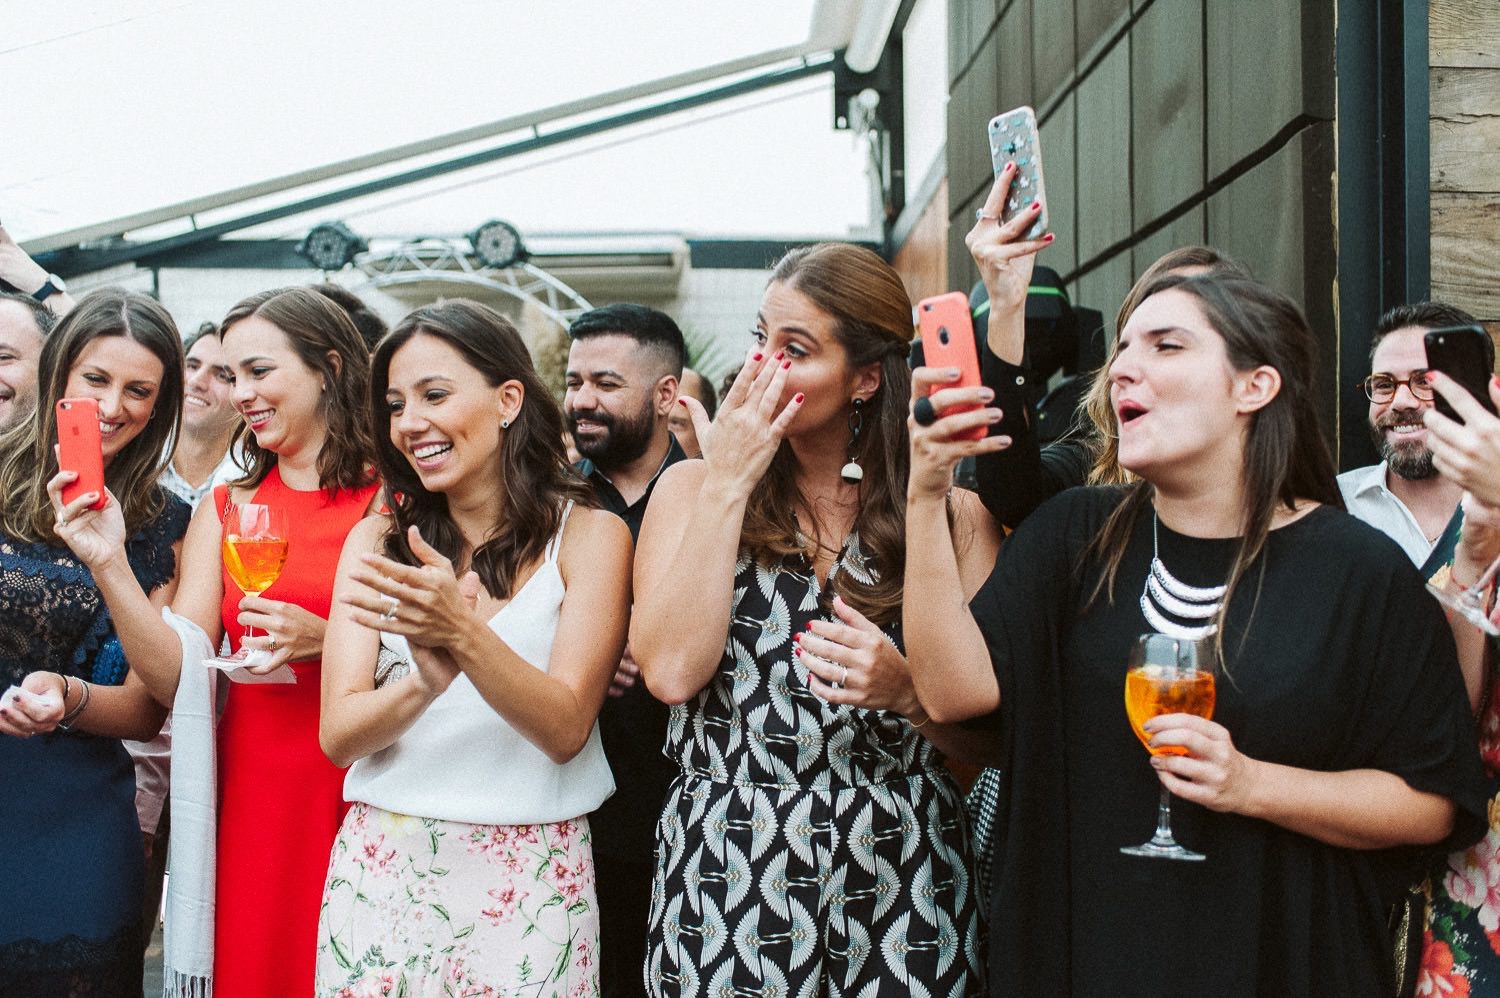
(1163, 834)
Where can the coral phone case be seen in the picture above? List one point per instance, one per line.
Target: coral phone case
(948, 341)
(79, 449)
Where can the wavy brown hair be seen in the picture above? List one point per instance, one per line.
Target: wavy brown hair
(873, 323)
(1286, 456)
(317, 330)
(532, 465)
(27, 460)
(1106, 468)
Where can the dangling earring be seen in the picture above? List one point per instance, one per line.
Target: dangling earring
(852, 473)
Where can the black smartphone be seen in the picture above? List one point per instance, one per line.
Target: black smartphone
(1463, 354)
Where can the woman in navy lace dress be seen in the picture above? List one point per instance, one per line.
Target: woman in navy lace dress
(69, 924)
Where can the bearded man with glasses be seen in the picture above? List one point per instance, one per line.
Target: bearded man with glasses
(1403, 495)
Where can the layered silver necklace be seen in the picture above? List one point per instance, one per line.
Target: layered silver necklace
(1165, 597)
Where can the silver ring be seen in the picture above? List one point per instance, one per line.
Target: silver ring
(390, 611)
(844, 678)
(923, 412)
(62, 519)
(980, 216)
(273, 645)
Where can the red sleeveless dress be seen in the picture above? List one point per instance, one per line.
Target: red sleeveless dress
(280, 800)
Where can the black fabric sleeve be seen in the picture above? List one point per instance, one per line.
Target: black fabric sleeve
(1414, 718)
(1015, 481)
(1020, 610)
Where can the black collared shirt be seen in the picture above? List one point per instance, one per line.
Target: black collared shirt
(610, 498)
(632, 727)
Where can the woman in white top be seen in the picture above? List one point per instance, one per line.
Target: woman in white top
(464, 865)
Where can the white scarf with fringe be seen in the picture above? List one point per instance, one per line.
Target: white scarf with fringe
(188, 970)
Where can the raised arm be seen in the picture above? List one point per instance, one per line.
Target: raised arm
(689, 541)
(950, 663)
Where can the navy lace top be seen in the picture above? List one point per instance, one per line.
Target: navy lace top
(71, 925)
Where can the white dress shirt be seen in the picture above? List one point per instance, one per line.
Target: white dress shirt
(1366, 496)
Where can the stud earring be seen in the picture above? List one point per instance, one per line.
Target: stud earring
(504, 424)
(852, 473)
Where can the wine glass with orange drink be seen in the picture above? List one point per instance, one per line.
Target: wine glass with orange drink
(255, 547)
(1167, 675)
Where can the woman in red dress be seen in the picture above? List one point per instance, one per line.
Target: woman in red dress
(301, 380)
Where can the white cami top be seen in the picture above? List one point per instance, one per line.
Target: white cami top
(462, 761)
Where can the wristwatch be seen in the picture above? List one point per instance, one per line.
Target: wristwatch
(55, 285)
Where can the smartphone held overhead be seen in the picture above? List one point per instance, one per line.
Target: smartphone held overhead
(1015, 138)
(80, 449)
(948, 341)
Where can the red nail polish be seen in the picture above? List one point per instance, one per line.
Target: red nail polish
(1036, 206)
(809, 625)
(786, 365)
(796, 652)
(1050, 236)
(780, 354)
(798, 398)
(755, 356)
(682, 402)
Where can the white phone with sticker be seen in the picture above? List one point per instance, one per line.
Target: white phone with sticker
(1015, 138)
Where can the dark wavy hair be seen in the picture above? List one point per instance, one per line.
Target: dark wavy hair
(27, 461)
(1286, 456)
(532, 465)
(317, 328)
(873, 323)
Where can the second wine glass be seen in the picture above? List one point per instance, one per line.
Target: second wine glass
(255, 547)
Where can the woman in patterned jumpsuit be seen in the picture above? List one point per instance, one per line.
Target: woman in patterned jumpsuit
(812, 844)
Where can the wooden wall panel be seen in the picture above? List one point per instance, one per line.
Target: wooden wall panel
(1256, 70)
(923, 261)
(1259, 221)
(1104, 154)
(1052, 47)
(1166, 86)
(1464, 33)
(1185, 231)
(1465, 109)
(1014, 53)
(1104, 288)
(1466, 251)
(1464, 48)
(1095, 23)
(1060, 177)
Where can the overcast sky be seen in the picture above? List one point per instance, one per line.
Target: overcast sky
(132, 104)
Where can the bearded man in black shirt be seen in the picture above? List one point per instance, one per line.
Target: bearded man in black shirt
(623, 371)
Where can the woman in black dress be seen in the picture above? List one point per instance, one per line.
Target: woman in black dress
(1341, 737)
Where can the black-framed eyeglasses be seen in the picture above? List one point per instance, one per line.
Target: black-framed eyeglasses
(1381, 388)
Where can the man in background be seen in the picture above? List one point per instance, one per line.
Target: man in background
(622, 378)
(694, 385)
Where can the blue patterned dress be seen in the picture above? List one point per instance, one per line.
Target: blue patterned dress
(70, 918)
(806, 849)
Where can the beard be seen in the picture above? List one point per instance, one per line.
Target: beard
(624, 439)
(1412, 461)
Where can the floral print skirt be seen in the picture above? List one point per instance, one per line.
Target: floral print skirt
(425, 908)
